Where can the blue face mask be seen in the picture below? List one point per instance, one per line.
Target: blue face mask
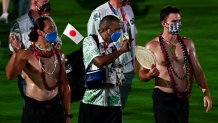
(115, 36)
(51, 37)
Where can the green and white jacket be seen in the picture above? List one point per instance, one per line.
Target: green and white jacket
(107, 96)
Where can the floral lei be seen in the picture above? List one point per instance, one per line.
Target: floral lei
(48, 54)
(188, 76)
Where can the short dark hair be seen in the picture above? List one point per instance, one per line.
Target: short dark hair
(107, 21)
(168, 10)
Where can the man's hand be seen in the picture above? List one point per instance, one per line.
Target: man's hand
(147, 74)
(207, 103)
(15, 42)
(125, 46)
(153, 71)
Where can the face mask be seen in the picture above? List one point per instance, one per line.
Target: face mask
(128, 2)
(115, 36)
(44, 9)
(51, 37)
(174, 28)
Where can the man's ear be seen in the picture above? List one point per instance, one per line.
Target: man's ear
(41, 33)
(164, 23)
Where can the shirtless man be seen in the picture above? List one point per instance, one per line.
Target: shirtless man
(22, 27)
(42, 66)
(176, 66)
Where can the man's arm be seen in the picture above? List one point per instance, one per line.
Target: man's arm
(147, 74)
(17, 57)
(65, 92)
(136, 63)
(200, 76)
(135, 43)
(16, 64)
(101, 61)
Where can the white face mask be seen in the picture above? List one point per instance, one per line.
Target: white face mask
(174, 28)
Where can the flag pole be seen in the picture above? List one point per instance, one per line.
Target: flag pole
(61, 35)
(64, 30)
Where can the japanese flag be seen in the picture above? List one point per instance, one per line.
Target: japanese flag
(73, 34)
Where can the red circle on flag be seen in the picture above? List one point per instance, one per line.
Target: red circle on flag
(72, 33)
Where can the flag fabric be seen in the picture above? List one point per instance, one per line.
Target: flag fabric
(73, 34)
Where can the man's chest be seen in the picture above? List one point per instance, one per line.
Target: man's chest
(48, 66)
(174, 54)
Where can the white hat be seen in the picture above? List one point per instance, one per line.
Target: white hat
(145, 57)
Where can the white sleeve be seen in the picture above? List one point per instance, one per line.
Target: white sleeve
(93, 23)
(90, 50)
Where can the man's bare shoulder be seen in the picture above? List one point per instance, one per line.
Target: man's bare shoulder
(61, 54)
(186, 39)
(153, 44)
(188, 42)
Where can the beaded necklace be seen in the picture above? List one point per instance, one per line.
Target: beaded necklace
(42, 49)
(39, 54)
(42, 53)
(188, 76)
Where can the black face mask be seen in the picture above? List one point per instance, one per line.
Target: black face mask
(44, 9)
(124, 1)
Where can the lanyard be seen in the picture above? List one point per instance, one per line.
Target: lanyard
(122, 14)
(31, 18)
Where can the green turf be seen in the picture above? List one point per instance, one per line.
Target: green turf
(199, 19)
